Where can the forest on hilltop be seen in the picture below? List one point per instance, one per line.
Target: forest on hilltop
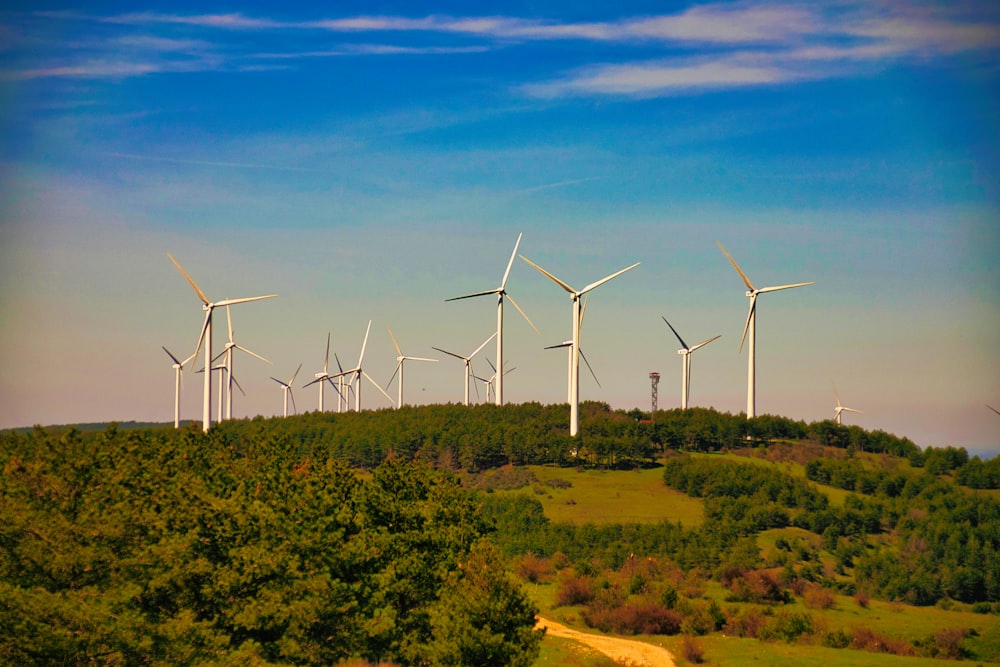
(322, 537)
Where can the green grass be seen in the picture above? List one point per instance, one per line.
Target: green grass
(612, 496)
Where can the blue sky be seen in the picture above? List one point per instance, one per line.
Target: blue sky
(371, 160)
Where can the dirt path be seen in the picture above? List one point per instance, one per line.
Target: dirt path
(627, 651)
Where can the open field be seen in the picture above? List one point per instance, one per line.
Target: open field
(612, 496)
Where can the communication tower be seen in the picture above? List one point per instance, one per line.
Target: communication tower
(654, 380)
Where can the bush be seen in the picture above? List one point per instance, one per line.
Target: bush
(759, 587)
(982, 608)
(574, 590)
(787, 626)
(534, 569)
(818, 598)
(949, 643)
(746, 624)
(861, 599)
(644, 618)
(866, 639)
(692, 650)
(839, 638)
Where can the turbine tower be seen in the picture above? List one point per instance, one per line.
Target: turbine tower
(574, 295)
(323, 377)
(501, 292)
(178, 380)
(685, 353)
(355, 374)
(206, 337)
(840, 409)
(400, 358)
(286, 389)
(229, 353)
(749, 329)
(468, 363)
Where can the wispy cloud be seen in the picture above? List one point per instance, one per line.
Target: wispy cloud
(705, 47)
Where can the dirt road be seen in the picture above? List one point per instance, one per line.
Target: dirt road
(626, 651)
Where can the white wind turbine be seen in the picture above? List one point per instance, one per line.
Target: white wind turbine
(568, 344)
(574, 403)
(323, 377)
(685, 353)
(490, 383)
(286, 389)
(355, 374)
(229, 353)
(468, 363)
(400, 358)
(840, 409)
(178, 380)
(206, 336)
(501, 292)
(749, 330)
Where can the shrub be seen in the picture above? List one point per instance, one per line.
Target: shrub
(839, 638)
(786, 626)
(861, 599)
(819, 598)
(982, 608)
(866, 639)
(534, 569)
(692, 651)
(746, 624)
(631, 618)
(949, 643)
(574, 589)
(757, 586)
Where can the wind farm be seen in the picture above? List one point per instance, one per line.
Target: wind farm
(591, 140)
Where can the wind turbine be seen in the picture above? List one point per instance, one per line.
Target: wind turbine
(568, 344)
(178, 369)
(468, 363)
(400, 358)
(501, 292)
(490, 383)
(229, 350)
(749, 330)
(286, 389)
(206, 336)
(358, 372)
(574, 295)
(840, 408)
(323, 377)
(685, 353)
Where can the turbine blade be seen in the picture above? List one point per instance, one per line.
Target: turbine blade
(341, 368)
(379, 387)
(458, 356)
(172, 356)
(850, 410)
(233, 302)
(775, 289)
(992, 408)
(514, 303)
(365, 343)
(584, 357)
(396, 370)
(491, 365)
(705, 342)
(243, 349)
(503, 283)
(281, 382)
(394, 343)
(683, 344)
(836, 395)
(419, 359)
(607, 278)
(469, 296)
(326, 359)
(492, 336)
(549, 276)
(201, 295)
(237, 383)
(737, 267)
(746, 327)
(563, 344)
(321, 378)
(229, 323)
(201, 336)
(291, 395)
(335, 387)
(583, 308)
(292, 381)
